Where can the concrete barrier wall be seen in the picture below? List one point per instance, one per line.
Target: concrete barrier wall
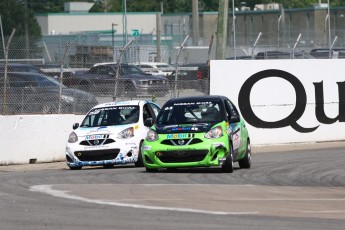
(41, 138)
(303, 102)
(285, 101)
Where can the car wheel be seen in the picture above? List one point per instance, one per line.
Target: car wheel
(75, 168)
(246, 162)
(228, 165)
(151, 170)
(108, 166)
(140, 162)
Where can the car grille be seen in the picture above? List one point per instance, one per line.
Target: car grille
(97, 142)
(155, 82)
(97, 155)
(181, 156)
(178, 142)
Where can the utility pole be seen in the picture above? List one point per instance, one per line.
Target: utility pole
(27, 52)
(195, 19)
(222, 29)
(158, 36)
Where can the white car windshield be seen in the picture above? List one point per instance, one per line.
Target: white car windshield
(108, 116)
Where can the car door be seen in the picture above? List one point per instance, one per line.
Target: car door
(104, 78)
(235, 126)
(18, 91)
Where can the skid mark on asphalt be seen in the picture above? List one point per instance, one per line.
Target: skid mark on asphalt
(314, 202)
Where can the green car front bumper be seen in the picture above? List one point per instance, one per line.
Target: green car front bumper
(199, 151)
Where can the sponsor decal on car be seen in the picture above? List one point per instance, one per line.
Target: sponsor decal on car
(180, 135)
(181, 129)
(218, 144)
(96, 147)
(181, 149)
(147, 147)
(95, 137)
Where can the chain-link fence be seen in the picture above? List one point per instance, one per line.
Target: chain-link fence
(71, 73)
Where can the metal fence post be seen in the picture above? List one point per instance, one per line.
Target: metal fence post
(62, 62)
(255, 44)
(118, 67)
(177, 61)
(4, 98)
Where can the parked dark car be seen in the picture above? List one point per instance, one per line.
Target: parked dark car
(132, 81)
(324, 53)
(37, 93)
(282, 55)
(19, 67)
(191, 76)
(51, 70)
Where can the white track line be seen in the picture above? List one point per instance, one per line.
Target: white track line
(63, 194)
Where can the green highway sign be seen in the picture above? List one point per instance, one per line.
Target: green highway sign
(135, 33)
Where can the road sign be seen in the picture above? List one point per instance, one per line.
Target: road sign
(135, 33)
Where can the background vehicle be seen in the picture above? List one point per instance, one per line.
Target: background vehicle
(324, 53)
(37, 93)
(132, 82)
(200, 131)
(111, 133)
(192, 76)
(282, 55)
(51, 70)
(156, 68)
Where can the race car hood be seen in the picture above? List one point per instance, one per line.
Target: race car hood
(184, 128)
(104, 130)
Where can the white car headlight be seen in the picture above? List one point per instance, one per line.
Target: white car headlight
(67, 99)
(127, 133)
(151, 135)
(214, 133)
(72, 138)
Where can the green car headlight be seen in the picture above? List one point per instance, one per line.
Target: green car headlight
(127, 133)
(214, 133)
(151, 135)
(72, 138)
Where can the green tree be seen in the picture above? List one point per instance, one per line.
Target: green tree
(14, 14)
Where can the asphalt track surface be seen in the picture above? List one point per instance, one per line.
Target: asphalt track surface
(286, 188)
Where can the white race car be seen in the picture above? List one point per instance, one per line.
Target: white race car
(111, 133)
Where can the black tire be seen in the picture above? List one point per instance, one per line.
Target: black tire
(75, 168)
(108, 166)
(228, 165)
(246, 162)
(140, 162)
(151, 170)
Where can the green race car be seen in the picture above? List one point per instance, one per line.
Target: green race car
(200, 131)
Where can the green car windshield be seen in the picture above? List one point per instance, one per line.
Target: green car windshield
(107, 116)
(190, 112)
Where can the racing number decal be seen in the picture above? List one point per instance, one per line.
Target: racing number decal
(236, 138)
(235, 131)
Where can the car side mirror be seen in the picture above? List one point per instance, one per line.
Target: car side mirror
(148, 122)
(234, 119)
(75, 125)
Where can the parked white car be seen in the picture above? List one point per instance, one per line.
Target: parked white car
(156, 68)
(110, 134)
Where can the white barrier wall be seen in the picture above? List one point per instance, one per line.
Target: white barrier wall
(40, 137)
(285, 101)
(282, 101)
